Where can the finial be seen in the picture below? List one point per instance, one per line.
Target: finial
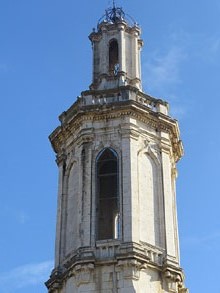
(113, 3)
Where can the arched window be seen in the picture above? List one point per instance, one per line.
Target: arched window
(113, 55)
(107, 200)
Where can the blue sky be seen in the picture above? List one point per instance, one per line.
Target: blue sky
(45, 63)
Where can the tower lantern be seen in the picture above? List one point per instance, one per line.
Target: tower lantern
(117, 150)
(116, 51)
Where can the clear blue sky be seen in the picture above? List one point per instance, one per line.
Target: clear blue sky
(45, 62)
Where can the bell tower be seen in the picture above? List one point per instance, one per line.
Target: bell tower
(116, 52)
(117, 150)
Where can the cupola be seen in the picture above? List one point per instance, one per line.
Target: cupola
(116, 47)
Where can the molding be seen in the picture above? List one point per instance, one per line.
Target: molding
(61, 158)
(130, 109)
(174, 277)
(183, 290)
(83, 273)
(129, 258)
(120, 90)
(130, 268)
(151, 149)
(55, 282)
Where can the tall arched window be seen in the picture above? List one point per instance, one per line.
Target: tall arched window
(107, 195)
(113, 55)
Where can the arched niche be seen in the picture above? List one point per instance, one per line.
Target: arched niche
(107, 195)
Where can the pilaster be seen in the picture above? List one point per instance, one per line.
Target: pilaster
(61, 162)
(169, 208)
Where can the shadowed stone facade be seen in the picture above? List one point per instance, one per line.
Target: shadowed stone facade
(117, 150)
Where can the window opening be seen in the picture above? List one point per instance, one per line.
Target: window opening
(113, 57)
(107, 195)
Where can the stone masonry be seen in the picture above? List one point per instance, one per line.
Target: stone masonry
(115, 114)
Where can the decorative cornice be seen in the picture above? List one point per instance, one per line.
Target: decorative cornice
(129, 259)
(175, 279)
(158, 121)
(83, 273)
(120, 25)
(121, 89)
(183, 290)
(95, 36)
(130, 268)
(61, 158)
(55, 281)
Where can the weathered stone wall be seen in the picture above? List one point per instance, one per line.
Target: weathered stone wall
(115, 114)
(140, 185)
(120, 278)
(129, 46)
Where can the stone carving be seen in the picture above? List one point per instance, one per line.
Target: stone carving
(84, 273)
(183, 290)
(55, 282)
(130, 268)
(61, 158)
(151, 149)
(175, 281)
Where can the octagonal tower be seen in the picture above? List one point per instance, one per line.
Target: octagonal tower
(117, 150)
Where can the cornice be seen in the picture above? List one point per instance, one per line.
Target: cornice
(95, 36)
(131, 88)
(129, 258)
(118, 26)
(72, 121)
(175, 279)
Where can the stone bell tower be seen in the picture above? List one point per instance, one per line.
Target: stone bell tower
(117, 150)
